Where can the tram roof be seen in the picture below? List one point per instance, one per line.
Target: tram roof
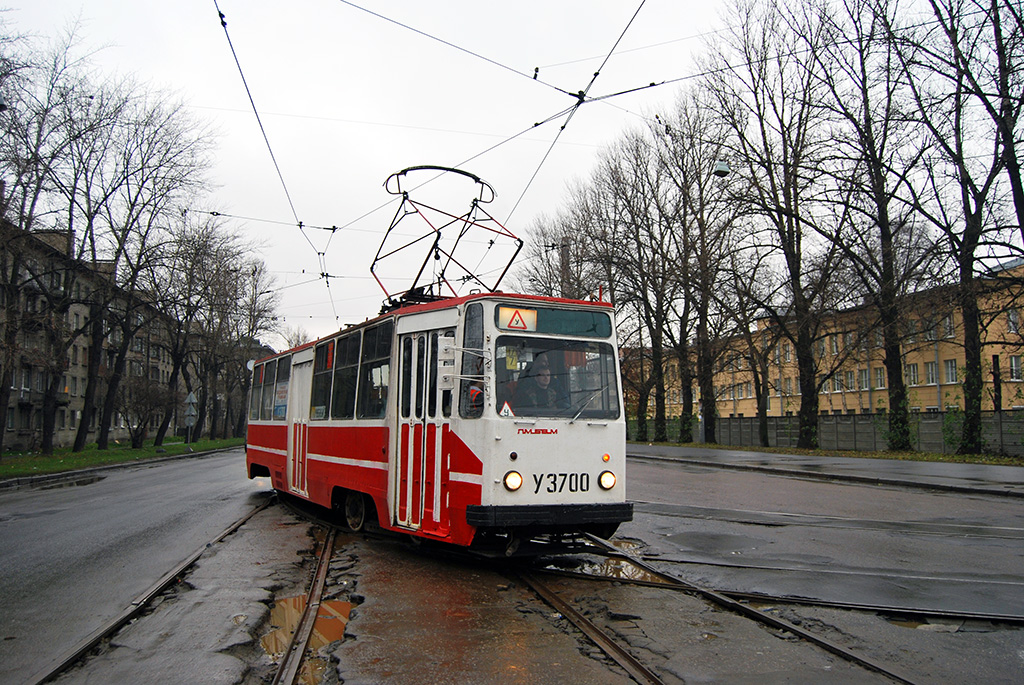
(445, 303)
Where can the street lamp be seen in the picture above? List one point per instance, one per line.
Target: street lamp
(721, 168)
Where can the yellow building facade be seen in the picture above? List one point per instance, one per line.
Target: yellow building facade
(853, 378)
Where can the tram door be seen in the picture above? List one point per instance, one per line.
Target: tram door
(421, 487)
(298, 423)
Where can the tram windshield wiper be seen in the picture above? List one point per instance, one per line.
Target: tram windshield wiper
(589, 400)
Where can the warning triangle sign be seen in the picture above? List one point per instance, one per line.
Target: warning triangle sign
(506, 411)
(516, 322)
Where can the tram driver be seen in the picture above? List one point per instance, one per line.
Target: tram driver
(538, 389)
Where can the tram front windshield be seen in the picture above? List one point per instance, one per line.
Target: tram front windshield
(543, 377)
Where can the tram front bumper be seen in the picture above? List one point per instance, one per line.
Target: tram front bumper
(548, 515)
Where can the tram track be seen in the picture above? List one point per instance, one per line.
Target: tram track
(642, 579)
(295, 654)
(726, 601)
(137, 606)
(767, 610)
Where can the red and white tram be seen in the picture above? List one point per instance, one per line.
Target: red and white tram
(480, 420)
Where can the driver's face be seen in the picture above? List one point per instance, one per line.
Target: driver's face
(543, 378)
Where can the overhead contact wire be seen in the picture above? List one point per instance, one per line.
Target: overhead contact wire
(581, 98)
(532, 77)
(273, 158)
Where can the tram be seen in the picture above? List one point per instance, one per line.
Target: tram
(482, 420)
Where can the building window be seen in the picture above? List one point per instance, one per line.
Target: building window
(1015, 369)
(947, 326)
(850, 380)
(1013, 321)
(834, 342)
(879, 377)
(837, 383)
(910, 374)
(950, 370)
(787, 352)
(787, 385)
(865, 378)
(912, 330)
(931, 373)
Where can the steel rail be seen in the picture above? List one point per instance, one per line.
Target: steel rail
(294, 655)
(1011, 619)
(137, 605)
(618, 654)
(739, 607)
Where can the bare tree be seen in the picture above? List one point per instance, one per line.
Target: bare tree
(692, 147)
(635, 235)
(959, 188)
(877, 151)
(766, 91)
(140, 400)
(293, 337)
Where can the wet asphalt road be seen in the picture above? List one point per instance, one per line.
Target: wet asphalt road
(73, 554)
(850, 542)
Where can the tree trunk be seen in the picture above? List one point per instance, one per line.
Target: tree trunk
(92, 377)
(658, 378)
(706, 383)
(971, 440)
(110, 399)
(808, 413)
(53, 384)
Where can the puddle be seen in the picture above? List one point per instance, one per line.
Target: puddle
(937, 626)
(72, 483)
(621, 570)
(329, 627)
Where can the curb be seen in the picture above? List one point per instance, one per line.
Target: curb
(809, 475)
(65, 476)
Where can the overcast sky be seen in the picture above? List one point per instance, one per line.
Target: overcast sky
(349, 97)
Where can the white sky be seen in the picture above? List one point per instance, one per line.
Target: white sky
(348, 98)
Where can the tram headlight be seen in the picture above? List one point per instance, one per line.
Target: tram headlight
(513, 481)
(606, 480)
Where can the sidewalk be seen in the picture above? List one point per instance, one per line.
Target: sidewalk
(1006, 481)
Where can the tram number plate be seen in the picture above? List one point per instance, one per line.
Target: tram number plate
(561, 482)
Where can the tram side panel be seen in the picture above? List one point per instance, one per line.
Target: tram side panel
(266, 452)
(464, 485)
(350, 457)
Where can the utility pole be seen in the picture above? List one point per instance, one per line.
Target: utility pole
(565, 268)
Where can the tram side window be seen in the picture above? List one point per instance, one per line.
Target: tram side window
(446, 395)
(471, 398)
(346, 371)
(323, 364)
(284, 368)
(267, 404)
(256, 392)
(375, 371)
(432, 378)
(406, 401)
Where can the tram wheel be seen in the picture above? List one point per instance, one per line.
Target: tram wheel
(355, 511)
